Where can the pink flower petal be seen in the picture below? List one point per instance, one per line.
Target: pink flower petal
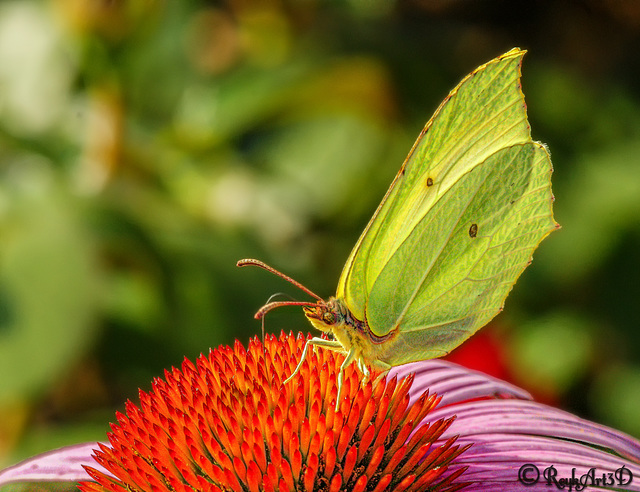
(59, 465)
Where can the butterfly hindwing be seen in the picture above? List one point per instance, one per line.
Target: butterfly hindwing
(449, 284)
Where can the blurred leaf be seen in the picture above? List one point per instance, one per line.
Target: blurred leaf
(552, 353)
(560, 99)
(601, 199)
(211, 113)
(321, 162)
(616, 397)
(48, 278)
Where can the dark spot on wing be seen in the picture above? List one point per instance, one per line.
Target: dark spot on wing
(429, 182)
(473, 230)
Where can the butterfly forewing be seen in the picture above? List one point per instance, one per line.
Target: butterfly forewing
(485, 113)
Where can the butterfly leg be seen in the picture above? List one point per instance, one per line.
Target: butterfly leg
(320, 342)
(364, 369)
(347, 360)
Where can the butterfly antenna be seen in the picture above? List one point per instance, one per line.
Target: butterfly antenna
(258, 263)
(272, 305)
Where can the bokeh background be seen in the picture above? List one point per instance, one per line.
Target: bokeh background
(146, 145)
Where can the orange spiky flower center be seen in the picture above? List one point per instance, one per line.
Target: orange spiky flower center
(227, 423)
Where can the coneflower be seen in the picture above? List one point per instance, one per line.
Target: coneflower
(227, 422)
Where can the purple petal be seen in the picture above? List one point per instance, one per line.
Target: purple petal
(496, 462)
(59, 465)
(491, 417)
(456, 383)
(512, 433)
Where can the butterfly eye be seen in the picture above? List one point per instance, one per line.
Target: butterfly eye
(329, 318)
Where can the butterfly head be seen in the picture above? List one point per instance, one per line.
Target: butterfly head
(323, 315)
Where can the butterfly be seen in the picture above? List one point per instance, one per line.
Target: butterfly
(455, 230)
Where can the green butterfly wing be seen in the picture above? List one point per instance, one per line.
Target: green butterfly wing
(458, 224)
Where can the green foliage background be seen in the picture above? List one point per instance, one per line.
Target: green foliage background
(147, 145)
